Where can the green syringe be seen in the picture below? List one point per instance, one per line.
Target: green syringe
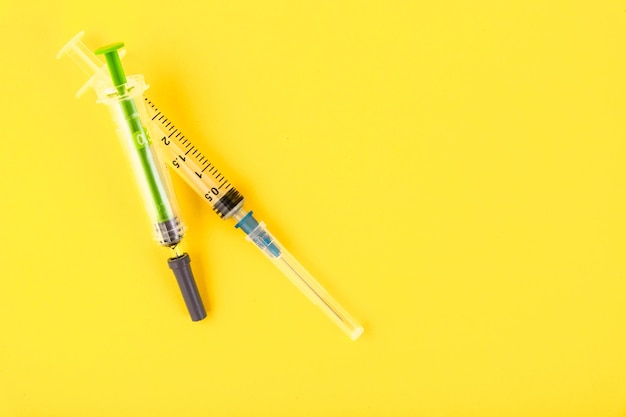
(169, 230)
(125, 101)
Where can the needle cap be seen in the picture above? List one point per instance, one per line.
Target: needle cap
(181, 266)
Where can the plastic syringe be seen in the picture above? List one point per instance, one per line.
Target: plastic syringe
(227, 202)
(124, 98)
(186, 160)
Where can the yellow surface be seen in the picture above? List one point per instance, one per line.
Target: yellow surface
(452, 172)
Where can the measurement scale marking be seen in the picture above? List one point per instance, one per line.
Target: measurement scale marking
(219, 178)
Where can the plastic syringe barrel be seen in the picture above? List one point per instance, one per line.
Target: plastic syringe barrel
(149, 172)
(146, 166)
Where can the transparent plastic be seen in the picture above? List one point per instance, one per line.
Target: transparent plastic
(82, 56)
(149, 171)
(183, 157)
(300, 277)
(305, 282)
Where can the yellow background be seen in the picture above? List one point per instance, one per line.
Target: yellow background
(453, 172)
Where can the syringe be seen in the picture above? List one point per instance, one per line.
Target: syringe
(124, 98)
(227, 202)
(186, 160)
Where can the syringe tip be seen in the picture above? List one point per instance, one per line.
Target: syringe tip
(176, 250)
